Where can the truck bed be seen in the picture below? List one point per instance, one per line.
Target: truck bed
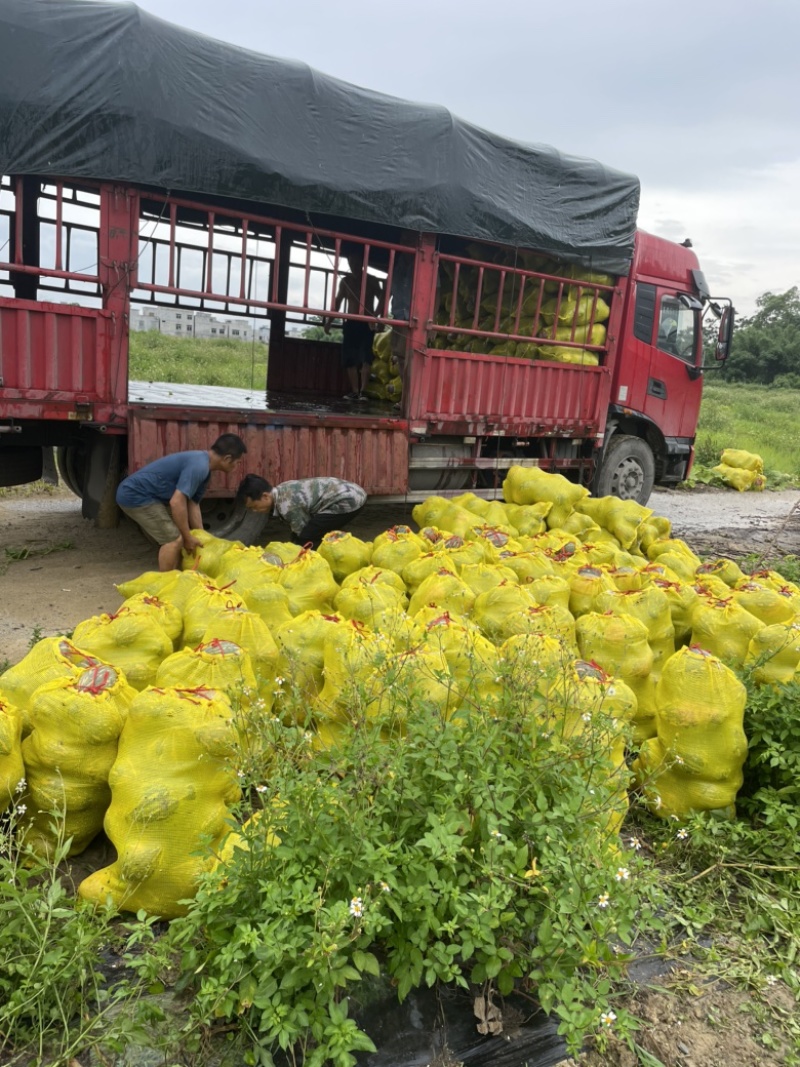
(226, 398)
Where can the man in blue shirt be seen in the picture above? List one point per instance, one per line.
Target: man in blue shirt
(163, 498)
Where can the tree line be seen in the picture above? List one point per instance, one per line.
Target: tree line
(766, 345)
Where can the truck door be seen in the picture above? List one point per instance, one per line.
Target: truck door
(675, 382)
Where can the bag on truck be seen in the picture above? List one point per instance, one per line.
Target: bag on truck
(173, 785)
(77, 723)
(131, 641)
(695, 761)
(12, 770)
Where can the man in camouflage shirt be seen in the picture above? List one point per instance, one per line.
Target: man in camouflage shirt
(311, 506)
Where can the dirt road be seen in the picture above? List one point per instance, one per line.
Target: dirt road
(50, 593)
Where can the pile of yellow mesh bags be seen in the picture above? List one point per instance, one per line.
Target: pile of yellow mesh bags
(620, 638)
(741, 470)
(568, 310)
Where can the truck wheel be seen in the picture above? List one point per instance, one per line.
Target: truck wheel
(71, 466)
(226, 518)
(627, 469)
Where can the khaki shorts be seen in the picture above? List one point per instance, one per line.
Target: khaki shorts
(156, 521)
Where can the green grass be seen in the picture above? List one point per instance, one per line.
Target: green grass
(757, 418)
(156, 357)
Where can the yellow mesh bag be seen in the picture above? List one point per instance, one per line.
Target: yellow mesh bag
(774, 653)
(245, 568)
(736, 478)
(301, 645)
(154, 583)
(682, 600)
(444, 589)
(627, 579)
(585, 585)
(76, 727)
(582, 526)
(444, 514)
(247, 630)
(549, 589)
(622, 518)
(562, 354)
(173, 785)
(166, 614)
(651, 607)
(403, 631)
(369, 601)
(575, 309)
(400, 532)
(131, 641)
(393, 551)
(464, 553)
(270, 602)
(492, 608)
(352, 654)
(695, 763)
(473, 661)
(619, 644)
(472, 502)
(724, 628)
(549, 619)
(376, 574)
(494, 539)
(737, 457)
(309, 583)
(284, 551)
(202, 604)
(50, 658)
(219, 665)
(415, 572)
(12, 770)
(775, 581)
(481, 577)
(533, 662)
(344, 553)
(185, 584)
(765, 603)
(526, 564)
(382, 344)
(209, 555)
(673, 546)
(413, 684)
(530, 485)
(529, 519)
(725, 569)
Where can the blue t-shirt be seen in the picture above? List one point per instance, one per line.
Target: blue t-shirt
(155, 483)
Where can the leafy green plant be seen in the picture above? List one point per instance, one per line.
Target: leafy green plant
(475, 852)
(14, 554)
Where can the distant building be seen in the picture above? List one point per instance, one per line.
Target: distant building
(200, 324)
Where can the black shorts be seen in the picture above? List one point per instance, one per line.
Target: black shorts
(357, 340)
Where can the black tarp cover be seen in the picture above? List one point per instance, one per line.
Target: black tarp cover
(108, 91)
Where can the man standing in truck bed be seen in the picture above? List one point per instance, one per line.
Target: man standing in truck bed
(357, 337)
(164, 497)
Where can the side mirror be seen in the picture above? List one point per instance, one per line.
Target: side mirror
(725, 335)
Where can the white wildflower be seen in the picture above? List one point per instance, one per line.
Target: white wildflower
(607, 1018)
(357, 907)
(602, 900)
(20, 786)
(622, 875)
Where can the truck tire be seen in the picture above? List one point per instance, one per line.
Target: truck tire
(71, 466)
(231, 520)
(627, 469)
(100, 481)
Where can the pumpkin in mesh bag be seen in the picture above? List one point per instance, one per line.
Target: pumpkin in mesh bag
(50, 658)
(154, 583)
(395, 548)
(344, 553)
(166, 614)
(185, 584)
(415, 572)
(481, 577)
(202, 604)
(526, 564)
(131, 641)
(549, 619)
(724, 628)
(627, 579)
(368, 601)
(582, 526)
(376, 574)
(695, 761)
(220, 665)
(309, 583)
(353, 655)
(473, 660)
(651, 607)
(675, 554)
(656, 528)
(445, 515)
(682, 600)
(622, 518)
(12, 770)
(173, 785)
(586, 584)
(774, 653)
(210, 553)
(529, 519)
(724, 569)
(530, 485)
(301, 645)
(247, 630)
(247, 567)
(619, 644)
(549, 589)
(444, 589)
(77, 723)
(765, 603)
(270, 602)
(491, 609)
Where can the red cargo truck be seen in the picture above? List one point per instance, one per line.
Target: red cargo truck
(537, 326)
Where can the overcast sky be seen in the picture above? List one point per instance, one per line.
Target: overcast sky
(699, 98)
